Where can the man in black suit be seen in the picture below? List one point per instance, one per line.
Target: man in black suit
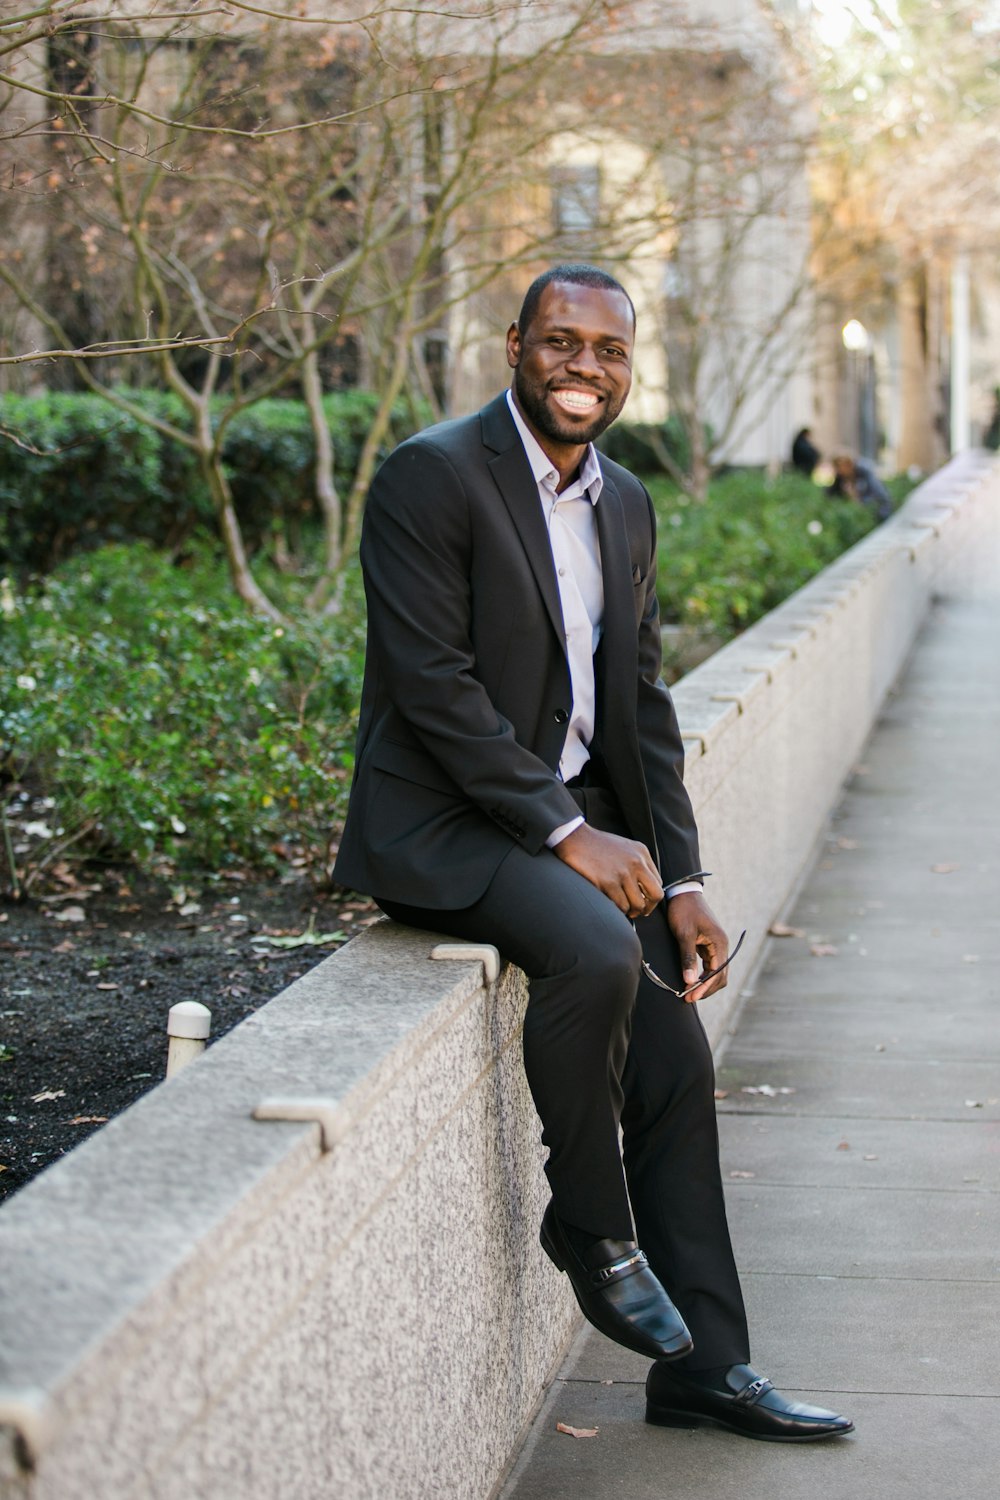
(519, 781)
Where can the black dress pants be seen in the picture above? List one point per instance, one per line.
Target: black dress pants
(604, 1047)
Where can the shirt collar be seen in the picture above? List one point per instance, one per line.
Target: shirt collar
(591, 479)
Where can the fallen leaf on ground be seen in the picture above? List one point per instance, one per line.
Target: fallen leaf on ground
(846, 844)
(722, 1093)
(973, 1104)
(107, 986)
(66, 875)
(4, 917)
(302, 939)
(743, 1174)
(943, 869)
(37, 829)
(66, 946)
(823, 950)
(71, 914)
(576, 1431)
(48, 1094)
(844, 1146)
(89, 1120)
(869, 1158)
(779, 929)
(767, 1089)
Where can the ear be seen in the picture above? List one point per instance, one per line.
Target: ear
(513, 346)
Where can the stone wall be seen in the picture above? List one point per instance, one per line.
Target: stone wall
(308, 1265)
(775, 721)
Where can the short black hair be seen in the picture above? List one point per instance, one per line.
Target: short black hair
(568, 275)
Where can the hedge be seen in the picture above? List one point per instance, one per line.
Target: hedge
(100, 476)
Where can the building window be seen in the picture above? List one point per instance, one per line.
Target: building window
(576, 199)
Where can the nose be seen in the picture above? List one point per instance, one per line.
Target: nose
(584, 361)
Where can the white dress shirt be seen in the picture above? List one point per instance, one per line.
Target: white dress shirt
(576, 553)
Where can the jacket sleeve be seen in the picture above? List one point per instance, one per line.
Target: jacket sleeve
(416, 554)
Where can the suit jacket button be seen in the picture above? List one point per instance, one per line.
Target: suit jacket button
(561, 716)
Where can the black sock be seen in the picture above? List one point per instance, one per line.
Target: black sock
(714, 1379)
(580, 1240)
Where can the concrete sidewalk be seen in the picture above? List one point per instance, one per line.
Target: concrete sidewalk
(865, 1192)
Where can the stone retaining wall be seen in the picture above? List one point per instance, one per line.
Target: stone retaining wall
(308, 1266)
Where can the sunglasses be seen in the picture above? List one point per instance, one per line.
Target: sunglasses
(702, 978)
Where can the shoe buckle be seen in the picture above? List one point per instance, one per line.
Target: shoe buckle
(753, 1391)
(608, 1273)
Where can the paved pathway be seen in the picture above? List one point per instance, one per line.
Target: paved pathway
(866, 1202)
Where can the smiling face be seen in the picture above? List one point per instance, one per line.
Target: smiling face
(572, 366)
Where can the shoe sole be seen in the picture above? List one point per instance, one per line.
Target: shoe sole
(667, 1351)
(662, 1416)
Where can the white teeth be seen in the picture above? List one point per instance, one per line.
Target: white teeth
(576, 400)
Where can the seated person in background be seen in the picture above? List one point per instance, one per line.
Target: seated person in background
(805, 454)
(856, 479)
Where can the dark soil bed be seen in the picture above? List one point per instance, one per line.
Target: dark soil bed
(90, 967)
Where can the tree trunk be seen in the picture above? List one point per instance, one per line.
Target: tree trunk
(701, 469)
(369, 454)
(244, 582)
(327, 495)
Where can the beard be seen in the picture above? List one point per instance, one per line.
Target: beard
(551, 424)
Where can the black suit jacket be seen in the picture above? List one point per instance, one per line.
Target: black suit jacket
(467, 688)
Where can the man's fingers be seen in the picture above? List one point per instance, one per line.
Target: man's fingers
(640, 902)
(620, 867)
(702, 991)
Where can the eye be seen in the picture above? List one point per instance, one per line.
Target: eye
(558, 342)
(613, 352)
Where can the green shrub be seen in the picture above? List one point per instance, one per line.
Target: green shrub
(629, 443)
(168, 722)
(100, 475)
(725, 562)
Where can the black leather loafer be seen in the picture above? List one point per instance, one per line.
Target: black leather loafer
(749, 1405)
(618, 1293)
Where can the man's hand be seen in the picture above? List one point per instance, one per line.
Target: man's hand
(698, 935)
(619, 867)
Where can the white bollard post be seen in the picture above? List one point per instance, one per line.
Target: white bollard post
(188, 1026)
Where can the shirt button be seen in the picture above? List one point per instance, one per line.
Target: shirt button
(561, 716)
(562, 572)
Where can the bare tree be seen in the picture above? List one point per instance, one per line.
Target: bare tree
(232, 202)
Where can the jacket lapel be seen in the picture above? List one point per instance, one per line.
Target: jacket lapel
(516, 483)
(619, 650)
